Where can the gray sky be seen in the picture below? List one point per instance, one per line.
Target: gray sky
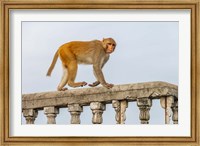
(146, 51)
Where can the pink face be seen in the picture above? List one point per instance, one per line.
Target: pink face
(110, 48)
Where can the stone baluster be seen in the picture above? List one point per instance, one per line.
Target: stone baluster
(51, 113)
(75, 111)
(116, 106)
(30, 115)
(175, 112)
(97, 110)
(166, 103)
(120, 108)
(144, 105)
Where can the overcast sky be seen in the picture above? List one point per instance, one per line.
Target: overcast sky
(146, 51)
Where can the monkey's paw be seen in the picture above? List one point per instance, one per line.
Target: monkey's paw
(94, 84)
(83, 84)
(108, 86)
(63, 89)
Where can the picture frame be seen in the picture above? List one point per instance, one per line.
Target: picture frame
(6, 6)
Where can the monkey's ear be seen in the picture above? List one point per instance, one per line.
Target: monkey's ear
(104, 44)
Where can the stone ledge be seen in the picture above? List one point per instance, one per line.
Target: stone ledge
(85, 96)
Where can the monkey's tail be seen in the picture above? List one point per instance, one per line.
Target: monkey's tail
(52, 64)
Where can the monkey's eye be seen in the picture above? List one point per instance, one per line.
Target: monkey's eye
(110, 44)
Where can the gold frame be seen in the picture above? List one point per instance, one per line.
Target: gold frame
(193, 5)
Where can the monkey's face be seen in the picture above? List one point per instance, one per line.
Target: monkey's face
(110, 48)
(109, 45)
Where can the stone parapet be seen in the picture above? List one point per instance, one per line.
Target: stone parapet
(84, 96)
(97, 98)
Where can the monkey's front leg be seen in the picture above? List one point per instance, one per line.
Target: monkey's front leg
(100, 77)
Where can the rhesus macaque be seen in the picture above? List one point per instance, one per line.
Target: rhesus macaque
(83, 52)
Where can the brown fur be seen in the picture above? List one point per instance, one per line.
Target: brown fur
(78, 52)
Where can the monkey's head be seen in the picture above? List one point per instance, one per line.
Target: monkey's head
(109, 45)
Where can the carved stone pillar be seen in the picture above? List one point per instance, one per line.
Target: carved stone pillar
(116, 106)
(97, 110)
(166, 103)
(51, 113)
(75, 111)
(120, 108)
(30, 115)
(144, 105)
(175, 112)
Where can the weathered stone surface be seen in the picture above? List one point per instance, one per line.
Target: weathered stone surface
(175, 112)
(116, 106)
(166, 103)
(51, 113)
(120, 108)
(144, 105)
(97, 111)
(30, 115)
(84, 96)
(75, 111)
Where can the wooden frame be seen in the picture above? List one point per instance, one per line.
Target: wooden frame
(6, 5)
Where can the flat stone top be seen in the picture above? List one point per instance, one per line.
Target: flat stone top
(99, 90)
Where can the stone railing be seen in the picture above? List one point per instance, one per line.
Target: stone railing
(119, 96)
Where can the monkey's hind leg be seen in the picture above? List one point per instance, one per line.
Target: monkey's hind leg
(72, 70)
(64, 80)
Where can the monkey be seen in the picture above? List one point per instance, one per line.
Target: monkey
(93, 52)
